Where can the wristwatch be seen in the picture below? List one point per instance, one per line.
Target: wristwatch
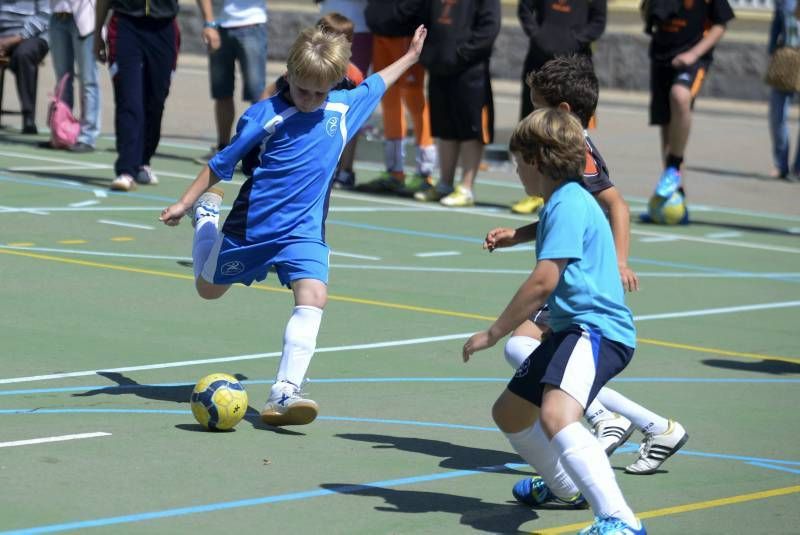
(211, 24)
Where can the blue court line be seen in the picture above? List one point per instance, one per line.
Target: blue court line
(182, 511)
(627, 447)
(773, 467)
(123, 388)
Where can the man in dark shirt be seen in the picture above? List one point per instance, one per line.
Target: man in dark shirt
(680, 55)
(142, 52)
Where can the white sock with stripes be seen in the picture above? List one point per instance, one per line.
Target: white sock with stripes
(645, 420)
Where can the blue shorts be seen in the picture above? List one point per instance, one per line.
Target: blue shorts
(248, 45)
(232, 261)
(578, 361)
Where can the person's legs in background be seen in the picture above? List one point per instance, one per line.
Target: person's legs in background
(779, 131)
(24, 63)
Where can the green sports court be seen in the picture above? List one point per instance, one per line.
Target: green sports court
(103, 339)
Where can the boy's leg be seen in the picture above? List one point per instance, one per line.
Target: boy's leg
(779, 130)
(522, 343)
(285, 405)
(680, 120)
(517, 419)
(582, 457)
(205, 220)
(417, 105)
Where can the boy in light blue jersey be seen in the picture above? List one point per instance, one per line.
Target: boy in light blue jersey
(592, 338)
(290, 145)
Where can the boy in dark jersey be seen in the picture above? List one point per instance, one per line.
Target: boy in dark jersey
(681, 53)
(570, 83)
(278, 219)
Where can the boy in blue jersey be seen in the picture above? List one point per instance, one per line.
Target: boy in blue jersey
(592, 338)
(570, 83)
(278, 219)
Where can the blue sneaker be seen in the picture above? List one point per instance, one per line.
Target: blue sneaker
(533, 491)
(669, 182)
(609, 525)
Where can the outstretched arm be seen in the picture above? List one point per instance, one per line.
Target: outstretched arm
(394, 71)
(619, 217)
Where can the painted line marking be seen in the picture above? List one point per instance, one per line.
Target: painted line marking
(21, 244)
(123, 224)
(100, 193)
(658, 239)
(46, 440)
(60, 167)
(12, 247)
(12, 210)
(353, 255)
(773, 467)
(428, 310)
(723, 235)
(438, 253)
(72, 242)
(83, 204)
(122, 238)
(697, 506)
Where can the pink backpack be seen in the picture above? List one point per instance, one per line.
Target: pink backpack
(64, 127)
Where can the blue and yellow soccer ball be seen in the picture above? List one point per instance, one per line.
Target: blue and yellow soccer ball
(669, 211)
(219, 401)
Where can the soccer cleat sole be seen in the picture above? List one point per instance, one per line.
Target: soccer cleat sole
(672, 452)
(300, 413)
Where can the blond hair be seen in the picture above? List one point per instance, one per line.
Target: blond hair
(335, 22)
(553, 140)
(319, 57)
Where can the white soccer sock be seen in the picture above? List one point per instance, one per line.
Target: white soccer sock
(534, 446)
(299, 342)
(205, 234)
(394, 154)
(645, 420)
(586, 463)
(597, 412)
(518, 348)
(427, 159)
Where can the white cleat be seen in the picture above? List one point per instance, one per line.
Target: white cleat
(658, 448)
(612, 433)
(287, 406)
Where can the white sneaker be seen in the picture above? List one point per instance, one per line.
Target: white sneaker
(658, 448)
(287, 406)
(207, 205)
(123, 182)
(612, 433)
(146, 176)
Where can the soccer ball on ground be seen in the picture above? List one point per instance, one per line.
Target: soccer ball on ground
(219, 401)
(669, 211)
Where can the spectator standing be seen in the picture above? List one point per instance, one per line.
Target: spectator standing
(555, 29)
(783, 32)
(681, 53)
(392, 24)
(142, 54)
(237, 32)
(23, 46)
(71, 29)
(460, 40)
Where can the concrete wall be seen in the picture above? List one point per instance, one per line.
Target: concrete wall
(620, 56)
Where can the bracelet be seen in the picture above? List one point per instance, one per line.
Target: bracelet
(213, 24)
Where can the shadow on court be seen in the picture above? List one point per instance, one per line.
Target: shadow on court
(474, 512)
(179, 393)
(454, 457)
(774, 367)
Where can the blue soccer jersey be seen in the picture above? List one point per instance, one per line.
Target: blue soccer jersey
(589, 293)
(286, 198)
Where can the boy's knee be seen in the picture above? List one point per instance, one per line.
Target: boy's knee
(207, 290)
(680, 97)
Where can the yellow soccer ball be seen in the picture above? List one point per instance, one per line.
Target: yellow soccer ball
(219, 401)
(669, 211)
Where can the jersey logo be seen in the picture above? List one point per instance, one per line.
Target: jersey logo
(231, 268)
(332, 125)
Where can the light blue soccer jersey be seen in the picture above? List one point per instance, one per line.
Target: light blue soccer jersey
(572, 226)
(286, 199)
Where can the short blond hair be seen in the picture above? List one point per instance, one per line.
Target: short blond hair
(319, 57)
(553, 140)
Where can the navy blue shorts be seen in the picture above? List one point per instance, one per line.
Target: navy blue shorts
(248, 45)
(578, 361)
(233, 261)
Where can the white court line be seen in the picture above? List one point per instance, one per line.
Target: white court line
(376, 345)
(60, 167)
(657, 239)
(394, 343)
(97, 253)
(60, 438)
(123, 224)
(353, 255)
(437, 253)
(722, 235)
(88, 165)
(11, 210)
(84, 204)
